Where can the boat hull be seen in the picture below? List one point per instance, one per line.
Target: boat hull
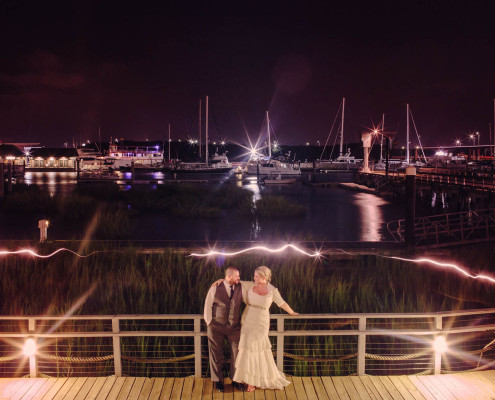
(205, 170)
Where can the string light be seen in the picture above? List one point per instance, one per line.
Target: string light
(455, 267)
(256, 248)
(463, 271)
(34, 254)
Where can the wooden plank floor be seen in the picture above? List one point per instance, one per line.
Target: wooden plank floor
(470, 385)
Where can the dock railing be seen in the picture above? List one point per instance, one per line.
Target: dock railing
(448, 229)
(309, 344)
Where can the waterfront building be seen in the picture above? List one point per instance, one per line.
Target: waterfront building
(52, 159)
(9, 153)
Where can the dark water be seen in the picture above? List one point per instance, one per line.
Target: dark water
(332, 214)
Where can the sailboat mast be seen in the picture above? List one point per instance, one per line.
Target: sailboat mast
(381, 142)
(407, 137)
(268, 131)
(99, 137)
(206, 132)
(492, 149)
(168, 142)
(199, 128)
(342, 127)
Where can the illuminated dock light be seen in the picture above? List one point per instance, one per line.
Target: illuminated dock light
(440, 344)
(29, 349)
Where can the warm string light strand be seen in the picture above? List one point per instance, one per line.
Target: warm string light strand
(34, 254)
(451, 266)
(256, 248)
(316, 254)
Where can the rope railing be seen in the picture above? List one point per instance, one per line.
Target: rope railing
(357, 346)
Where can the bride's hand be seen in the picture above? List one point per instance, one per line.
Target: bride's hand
(294, 313)
(216, 283)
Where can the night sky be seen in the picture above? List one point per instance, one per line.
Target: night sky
(68, 67)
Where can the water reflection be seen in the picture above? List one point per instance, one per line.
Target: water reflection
(332, 213)
(371, 213)
(52, 182)
(254, 186)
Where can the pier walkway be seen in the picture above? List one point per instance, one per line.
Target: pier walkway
(470, 385)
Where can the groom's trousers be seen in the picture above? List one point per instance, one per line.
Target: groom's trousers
(217, 334)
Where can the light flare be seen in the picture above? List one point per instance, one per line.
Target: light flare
(257, 248)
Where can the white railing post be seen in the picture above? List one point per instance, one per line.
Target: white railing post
(361, 357)
(117, 359)
(33, 367)
(197, 347)
(438, 355)
(280, 343)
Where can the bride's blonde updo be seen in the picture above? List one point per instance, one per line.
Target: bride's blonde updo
(264, 272)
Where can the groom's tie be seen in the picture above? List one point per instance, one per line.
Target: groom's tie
(231, 291)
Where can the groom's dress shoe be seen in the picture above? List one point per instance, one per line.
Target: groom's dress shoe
(219, 386)
(239, 386)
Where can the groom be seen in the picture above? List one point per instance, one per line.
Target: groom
(223, 318)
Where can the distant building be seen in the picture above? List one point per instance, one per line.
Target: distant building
(53, 159)
(11, 154)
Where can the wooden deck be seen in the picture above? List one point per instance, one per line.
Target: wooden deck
(471, 385)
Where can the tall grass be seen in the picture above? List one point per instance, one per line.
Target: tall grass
(274, 206)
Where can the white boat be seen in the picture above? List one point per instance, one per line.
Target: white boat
(269, 165)
(217, 164)
(142, 157)
(343, 161)
(278, 180)
(346, 161)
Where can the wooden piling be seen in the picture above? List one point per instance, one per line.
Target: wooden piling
(2, 180)
(410, 208)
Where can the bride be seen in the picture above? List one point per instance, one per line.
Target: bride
(255, 365)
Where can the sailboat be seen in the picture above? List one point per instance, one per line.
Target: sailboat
(268, 165)
(343, 161)
(217, 164)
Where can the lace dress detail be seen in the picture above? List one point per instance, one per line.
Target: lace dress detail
(255, 364)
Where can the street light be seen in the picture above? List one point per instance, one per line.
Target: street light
(478, 134)
(471, 137)
(457, 142)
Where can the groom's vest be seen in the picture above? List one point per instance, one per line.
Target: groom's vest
(225, 311)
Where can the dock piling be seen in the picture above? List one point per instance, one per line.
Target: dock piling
(2, 180)
(410, 208)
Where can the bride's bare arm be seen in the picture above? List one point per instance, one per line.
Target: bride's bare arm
(288, 309)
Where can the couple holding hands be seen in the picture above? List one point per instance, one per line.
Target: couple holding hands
(251, 363)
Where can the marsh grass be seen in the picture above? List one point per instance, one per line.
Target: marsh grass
(130, 282)
(187, 201)
(275, 206)
(28, 199)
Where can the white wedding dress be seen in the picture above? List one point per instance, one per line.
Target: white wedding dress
(254, 363)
